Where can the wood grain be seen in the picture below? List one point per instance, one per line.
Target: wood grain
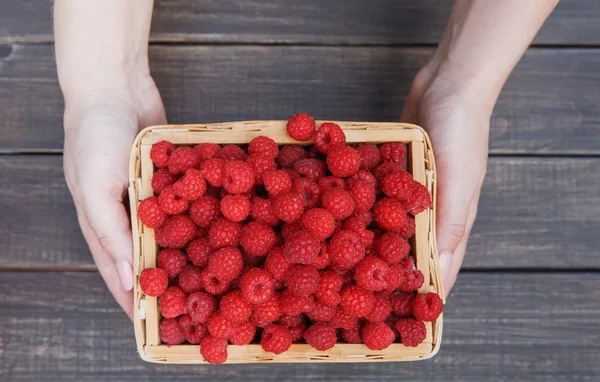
(534, 327)
(549, 105)
(534, 213)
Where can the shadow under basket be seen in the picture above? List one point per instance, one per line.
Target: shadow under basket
(146, 313)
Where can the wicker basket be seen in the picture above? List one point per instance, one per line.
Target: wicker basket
(146, 313)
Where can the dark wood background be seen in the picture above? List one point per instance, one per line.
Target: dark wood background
(527, 304)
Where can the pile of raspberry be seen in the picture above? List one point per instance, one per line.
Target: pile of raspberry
(280, 245)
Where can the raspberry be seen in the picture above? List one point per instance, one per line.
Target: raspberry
(311, 168)
(277, 182)
(267, 312)
(381, 310)
(189, 279)
(161, 179)
(302, 280)
(297, 332)
(293, 305)
(212, 171)
(238, 177)
(357, 301)
(363, 195)
(343, 320)
(389, 214)
(161, 152)
(301, 127)
(412, 332)
(393, 152)
(309, 190)
(224, 233)
(402, 304)
(290, 154)
(412, 278)
(352, 336)
(288, 229)
(370, 156)
(357, 226)
(276, 264)
(261, 163)
(235, 207)
(301, 248)
(154, 281)
(232, 153)
(207, 151)
(328, 182)
(205, 211)
(339, 202)
(244, 333)
(191, 186)
(290, 321)
(343, 161)
(324, 259)
(288, 207)
(257, 239)
(261, 212)
(172, 302)
(419, 199)
(172, 261)
(220, 326)
(171, 333)
(150, 213)
(212, 284)
(321, 336)
(226, 263)
(395, 278)
(391, 248)
(257, 285)
(408, 229)
(363, 176)
(200, 306)
(427, 306)
(346, 249)
(275, 339)
(321, 312)
(386, 169)
(377, 336)
(171, 203)
(176, 232)
(328, 291)
(193, 332)
(234, 307)
(199, 251)
(263, 145)
(328, 136)
(371, 273)
(319, 222)
(213, 349)
(182, 159)
(398, 185)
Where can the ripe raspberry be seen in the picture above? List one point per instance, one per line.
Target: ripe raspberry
(412, 278)
(275, 339)
(319, 222)
(357, 301)
(150, 213)
(386, 169)
(328, 136)
(339, 202)
(232, 153)
(402, 304)
(234, 307)
(205, 211)
(154, 281)
(199, 251)
(301, 127)
(381, 310)
(356, 225)
(412, 332)
(276, 264)
(324, 259)
(377, 336)
(212, 171)
(362, 176)
(267, 312)
(343, 320)
(321, 312)
(182, 159)
(244, 333)
(408, 229)
(363, 195)
(398, 185)
(238, 177)
(261, 212)
(226, 263)
(193, 332)
(220, 326)
(427, 306)
(207, 151)
(176, 232)
(161, 179)
(277, 182)
(328, 182)
(297, 332)
(393, 152)
(161, 152)
(224, 233)
(391, 248)
(257, 285)
(328, 291)
(321, 336)
(212, 284)
(235, 207)
(200, 306)
(343, 161)
(309, 191)
(352, 336)
(302, 280)
(191, 186)
(346, 249)
(213, 349)
(290, 154)
(370, 156)
(263, 145)
(419, 199)
(189, 279)
(172, 261)
(171, 203)
(288, 229)
(311, 168)
(389, 214)
(288, 207)
(261, 163)
(293, 305)
(395, 278)
(301, 248)
(172, 302)
(371, 274)
(257, 239)
(171, 333)
(290, 321)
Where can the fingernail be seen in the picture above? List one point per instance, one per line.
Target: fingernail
(125, 274)
(445, 262)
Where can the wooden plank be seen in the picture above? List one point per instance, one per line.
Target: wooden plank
(312, 21)
(548, 106)
(498, 327)
(534, 213)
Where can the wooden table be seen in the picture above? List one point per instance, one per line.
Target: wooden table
(527, 304)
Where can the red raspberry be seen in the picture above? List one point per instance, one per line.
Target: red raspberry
(193, 332)
(288, 207)
(276, 264)
(362, 176)
(199, 251)
(393, 152)
(297, 332)
(213, 349)
(408, 229)
(412, 278)
(346, 249)
(381, 310)
(389, 214)
(191, 186)
(293, 305)
(386, 169)
(339, 202)
(171, 203)
(263, 145)
(212, 171)
(319, 222)
(277, 182)
(357, 301)
(290, 154)
(321, 312)
(200, 306)
(257, 285)
(301, 127)
(352, 336)
(224, 233)
(244, 333)
(301, 248)
(321, 336)
(356, 225)
(182, 159)
(391, 248)
(343, 320)
(427, 306)
(234, 307)
(398, 185)
(261, 212)
(309, 190)
(377, 336)
(226, 263)
(402, 304)
(176, 232)
(235, 207)
(220, 326)
(150, 213)
(189, 279)
(324, 259)
(330, 285)
(288, 229)
(328, 136)
(412, 332)
(172, 302)
(275, 339)
(395, 278)
(212, 284)
(232, 153)
(302, 280)
(371, 274)
(171, 333)
(205, 211)
(363, 195)
(290, 321)
(161, 179)
(207, 151)
(328, 182)
(261, 163)
(370, 156)
(238, 177)
(419, 199)
(311, 168)
(257, 239)
(172, 261)
(343, 161)
(154, 281)
(161, 152)
(267, 312)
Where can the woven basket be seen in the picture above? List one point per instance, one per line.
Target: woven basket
(146, 314)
